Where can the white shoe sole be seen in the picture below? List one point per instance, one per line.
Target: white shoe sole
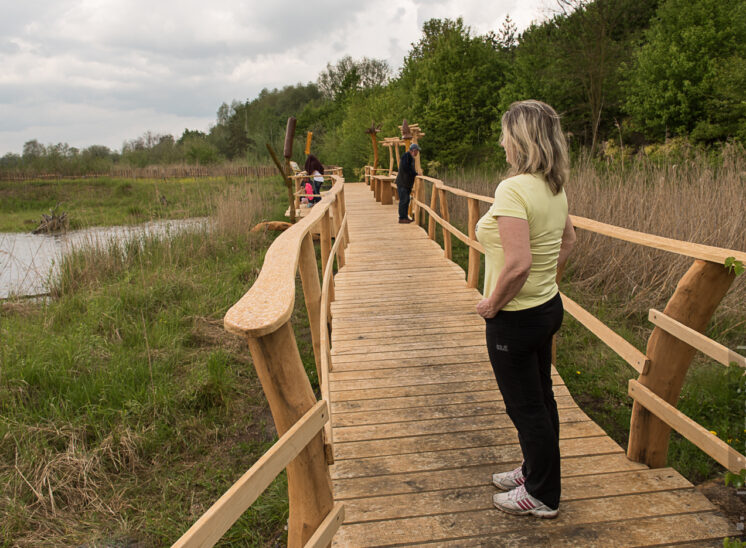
(544, 514)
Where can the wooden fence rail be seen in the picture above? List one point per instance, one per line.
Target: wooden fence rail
(262, 317)
(678, 332)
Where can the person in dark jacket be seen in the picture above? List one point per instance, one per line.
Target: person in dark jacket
(405, 181)
(315, 171)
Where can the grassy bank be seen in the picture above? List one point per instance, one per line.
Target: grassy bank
(696, 200)
(126, 410)
(109, 201)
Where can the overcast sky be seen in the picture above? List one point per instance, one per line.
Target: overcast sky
(103, 71)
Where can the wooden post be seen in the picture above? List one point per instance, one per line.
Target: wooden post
(416, 195)
(386, 194)
(326, 247)
(391, 159)
(338, 233)
(697, 295)
(309, 276)
(288, 391)
(286, 180)
(472, 278)
(444, 214)
(343, 210)
(397, 155)
(433, 205)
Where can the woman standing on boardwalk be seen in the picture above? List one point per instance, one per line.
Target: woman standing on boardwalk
(527, 235)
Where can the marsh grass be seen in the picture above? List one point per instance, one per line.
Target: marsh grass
(126, 410)
(108, 201)
(698, 198)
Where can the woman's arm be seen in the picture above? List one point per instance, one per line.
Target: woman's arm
(514, 235)
(568, 241)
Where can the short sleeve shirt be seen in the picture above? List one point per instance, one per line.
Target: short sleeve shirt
(528, 197)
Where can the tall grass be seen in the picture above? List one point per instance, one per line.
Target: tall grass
(125, 408)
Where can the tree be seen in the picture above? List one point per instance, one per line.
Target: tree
(348, 75)
(690, 76)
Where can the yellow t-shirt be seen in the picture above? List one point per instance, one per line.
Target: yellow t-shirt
(527, 197)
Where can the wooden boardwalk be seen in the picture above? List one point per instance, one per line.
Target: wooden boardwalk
(419, 425)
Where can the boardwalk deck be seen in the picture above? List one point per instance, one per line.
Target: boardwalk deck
(419, 424)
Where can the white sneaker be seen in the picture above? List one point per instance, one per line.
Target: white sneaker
(519, 502)
(508, 480)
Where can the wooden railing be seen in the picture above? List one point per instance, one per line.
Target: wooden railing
(672, 344)
(262, 316)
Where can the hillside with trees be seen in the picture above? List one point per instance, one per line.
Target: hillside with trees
(621, 73)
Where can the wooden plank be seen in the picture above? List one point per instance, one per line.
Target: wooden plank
(440, 426)
(452, 440)
(389, 416)
(392, 382)
(704, 344)
(617, 343)
(492, 522)
(468, 456)
(472, 475)
(412, 402)
(694, 432)
(328, 528)
(375, 347)
(697, 251)
(415, 371)
(479, 350)
(707, 528)
(479, 497)
(213, 524)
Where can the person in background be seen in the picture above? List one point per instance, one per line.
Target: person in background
(527, 235)
(315, 170)
(405, 181)
(309, 193)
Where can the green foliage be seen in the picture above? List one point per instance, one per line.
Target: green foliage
(690, 75)
(736, 480)
(734, 265)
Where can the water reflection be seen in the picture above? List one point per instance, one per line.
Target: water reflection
(27, 260)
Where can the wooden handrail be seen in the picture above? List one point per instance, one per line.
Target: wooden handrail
(616, 342)
(691, 430)
(325, 346)
(213, 524)
(704, 344)
(269, 303)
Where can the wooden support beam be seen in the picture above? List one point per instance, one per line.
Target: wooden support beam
(616, 342)
(704, 344)
(326, 248)
(324, 534)
(309, 276)
(697, 295)
(691, 430)
(444, 214)
(433, 205)
(289, 394)
(475, 258)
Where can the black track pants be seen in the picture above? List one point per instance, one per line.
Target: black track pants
(520, 349)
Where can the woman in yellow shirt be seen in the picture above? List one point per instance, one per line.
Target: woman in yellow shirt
(527, 235)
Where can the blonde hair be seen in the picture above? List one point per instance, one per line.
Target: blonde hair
(532, 133)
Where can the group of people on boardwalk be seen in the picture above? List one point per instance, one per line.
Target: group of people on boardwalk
(527, 236)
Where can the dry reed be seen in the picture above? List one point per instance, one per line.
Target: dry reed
(696, 200)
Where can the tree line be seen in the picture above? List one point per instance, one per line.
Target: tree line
(622, 74)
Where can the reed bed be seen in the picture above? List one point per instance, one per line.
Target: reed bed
(696, 200)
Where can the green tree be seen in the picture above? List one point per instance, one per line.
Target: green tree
(690, 75)
(454, 79)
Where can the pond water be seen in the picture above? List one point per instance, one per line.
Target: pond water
(28, 260)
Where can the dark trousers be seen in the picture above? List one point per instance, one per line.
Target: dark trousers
(520, 348)
(316, 190)
(403, 201)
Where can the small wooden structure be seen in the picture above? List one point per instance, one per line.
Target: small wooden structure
(410, 424)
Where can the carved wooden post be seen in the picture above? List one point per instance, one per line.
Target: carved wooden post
(433, 205)
(444, 214)
(337, 232)
(343, 210)
(472, 278)
(309, 276)
(391, 159)
(697, 295)
(326, 250)
(285, 383)
(416, 195)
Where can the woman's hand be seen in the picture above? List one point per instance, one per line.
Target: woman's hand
(487, 309)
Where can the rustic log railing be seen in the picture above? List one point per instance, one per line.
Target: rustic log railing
(672, 344)
(262, 316)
